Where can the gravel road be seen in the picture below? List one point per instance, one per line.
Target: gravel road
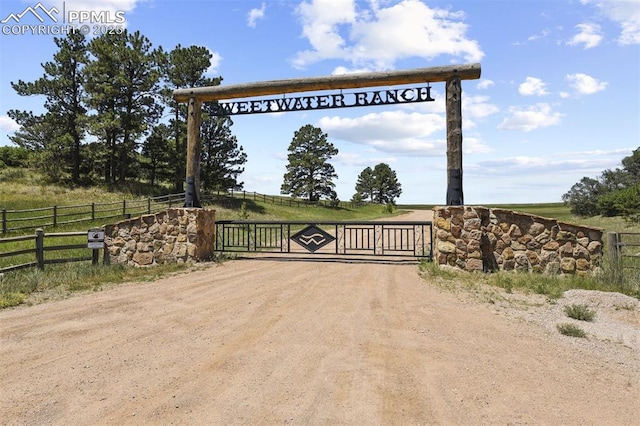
(275, 342)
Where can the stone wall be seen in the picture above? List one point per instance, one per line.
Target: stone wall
(484, 239)
(174, 235)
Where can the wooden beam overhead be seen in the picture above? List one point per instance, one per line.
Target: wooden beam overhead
(334, 82)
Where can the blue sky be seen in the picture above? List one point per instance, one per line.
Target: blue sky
(559, 96)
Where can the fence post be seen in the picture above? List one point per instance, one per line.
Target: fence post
(93, 211)
(40, 248)
(55, 216)
(612, 246)
(124, 208)
(615, 259)
(4, 221)
(95, 255)
(149, 205)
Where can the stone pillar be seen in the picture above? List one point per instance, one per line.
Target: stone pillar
(170, 236)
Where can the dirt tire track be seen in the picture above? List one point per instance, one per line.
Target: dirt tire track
(269, 342)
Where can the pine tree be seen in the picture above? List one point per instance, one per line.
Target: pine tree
(122, 85)
(221, 156)
(62, 86)
(380, 185)
(309, 173)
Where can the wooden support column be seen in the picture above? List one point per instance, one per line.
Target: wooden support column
(192, 195)
(455, 195)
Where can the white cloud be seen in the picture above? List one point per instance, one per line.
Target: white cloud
(589, 162)
(7, 124)
(585, 84)
(533, 86)
(355, 159)
(627, 15)
(471, 145)
(214, 63)
(485, 84)
(476, 107)
(543, 34)
(531, 118)
(344, 70)
(320, 25)
(255, 14)
(531, 166)
(399, 132)
(377, 37)
(588, 34)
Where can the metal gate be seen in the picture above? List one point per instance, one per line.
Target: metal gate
(397, 239)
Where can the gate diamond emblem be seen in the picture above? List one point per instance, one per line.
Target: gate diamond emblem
(312, 238)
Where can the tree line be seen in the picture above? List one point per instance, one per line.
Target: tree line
(105, 101)
(613, 193)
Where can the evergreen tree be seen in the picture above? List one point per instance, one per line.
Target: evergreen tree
(122, 83)
(62, 86)
(221, 156)
(380, 185)
(309, 173)
(616, 192)
(48, 142)
(156, 154)
(386, 185)
(365, 185)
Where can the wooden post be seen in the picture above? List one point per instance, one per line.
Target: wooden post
(455, 195)
(612, 246)
(615, 257)
(192, 197)
(333, 82)
(40, 248)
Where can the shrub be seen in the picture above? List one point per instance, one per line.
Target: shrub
(579, 312)
(571, 330)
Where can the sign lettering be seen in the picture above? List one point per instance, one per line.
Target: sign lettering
(305, 103)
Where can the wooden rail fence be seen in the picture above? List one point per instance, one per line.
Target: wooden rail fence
(37, 251)
(17, 220)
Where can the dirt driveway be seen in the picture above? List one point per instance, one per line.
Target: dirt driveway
(272, 342)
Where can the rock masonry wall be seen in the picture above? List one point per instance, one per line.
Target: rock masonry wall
(484, 239)
(171, 236)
